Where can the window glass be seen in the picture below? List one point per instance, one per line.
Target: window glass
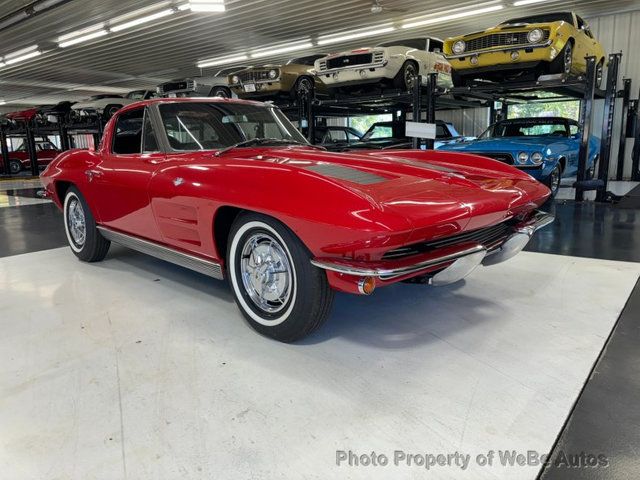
(337, 135)
(206, 126)
(352, 137)
(573, 128)
(534, 128)
(379, 131)
(418, 43)
(149, 140)
(435, 45)
(441, 131)
(127, 137)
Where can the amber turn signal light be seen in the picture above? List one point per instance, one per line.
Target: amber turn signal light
(367, 285)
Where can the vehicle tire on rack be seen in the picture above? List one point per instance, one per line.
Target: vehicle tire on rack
(405, 77)
(564, 61)
(109, 111)
(280, 293)
(84, 238)
(554, 180)
(15, 166)
(222, 92)
(304, 86)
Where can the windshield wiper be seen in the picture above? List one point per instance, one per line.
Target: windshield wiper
(263, 141)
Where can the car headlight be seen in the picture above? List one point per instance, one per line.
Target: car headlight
(459, 47)
(523, 157)
(535, 35)
(537, 158)
(235, 79)
(273, 74)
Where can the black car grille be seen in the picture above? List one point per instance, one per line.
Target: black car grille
(489, 237)
(348, 60)
(177, 85)
(502, 157)
(254, 75)
(496, 40)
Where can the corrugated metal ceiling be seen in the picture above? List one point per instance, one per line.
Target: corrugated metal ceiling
(169, 48)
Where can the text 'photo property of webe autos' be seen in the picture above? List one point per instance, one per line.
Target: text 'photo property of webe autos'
(364, 239)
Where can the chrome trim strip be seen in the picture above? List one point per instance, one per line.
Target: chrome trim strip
(473, 53)
(191, 262)
(387, 274)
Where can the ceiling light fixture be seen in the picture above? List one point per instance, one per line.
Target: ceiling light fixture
(21, 52)
(2, 102)
(455, 16)
(527, 2)
(276, 50)
(82, 38)
(11, 60)
(81, 32)
(212, 62)
(206, 6)
(142, 20)
(343, 37)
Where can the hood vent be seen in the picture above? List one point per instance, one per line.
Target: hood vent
(346, 173)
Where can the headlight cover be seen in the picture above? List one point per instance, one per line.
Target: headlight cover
(273, 74)
(536, 158)
(523, 157)
(535, 35)
(459, 47)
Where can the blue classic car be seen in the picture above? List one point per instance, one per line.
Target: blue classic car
(547, 148)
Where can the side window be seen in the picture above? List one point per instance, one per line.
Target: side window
(352, 137)
(573, 129)
(435, 45)
(441, 131)
(149, 139)
(127, 138)
(581, 23)
(338, 135)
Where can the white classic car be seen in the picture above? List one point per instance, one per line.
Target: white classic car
(104, 105)
(211, 86)
(396, 62)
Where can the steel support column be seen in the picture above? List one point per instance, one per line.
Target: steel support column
(5, 151)
(622, 147)
(416, 107)
(432, 82)
(607, 126)
(635, 155)
(30, 141)
(586, 111)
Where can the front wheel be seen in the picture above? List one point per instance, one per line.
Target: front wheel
(280, 293)
(15, 166)
(222, 92)
(555, 178)
(563, 63)
(405, 78)
(303, 88)
(84, 238)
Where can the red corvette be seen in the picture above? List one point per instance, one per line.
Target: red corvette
(230, 188)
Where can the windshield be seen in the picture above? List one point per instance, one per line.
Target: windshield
(210, 126)
(530, 128)
(544, 18)
(379, 130)
(417, 43)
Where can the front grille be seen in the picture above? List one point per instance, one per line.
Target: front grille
(255, 76)
(501, 157)
(349, 60)
(177, 85)
(489, 237)
(496, 40)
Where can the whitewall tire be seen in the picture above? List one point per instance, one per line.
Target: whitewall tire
(274, 284)
(80, 227)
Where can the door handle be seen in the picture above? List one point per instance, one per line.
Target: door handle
(91, 173)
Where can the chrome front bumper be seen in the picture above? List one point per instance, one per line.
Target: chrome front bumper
(460, 262)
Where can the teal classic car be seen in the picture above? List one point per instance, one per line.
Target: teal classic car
(547, 148)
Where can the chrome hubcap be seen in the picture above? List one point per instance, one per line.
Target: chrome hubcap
(76, 222)
(304, 86)
(568, 59)
(266, 273)
(555, 180)
(409, 76)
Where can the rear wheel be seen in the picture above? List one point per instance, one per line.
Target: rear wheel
(280, 293)
(84, 238)
(109, 111)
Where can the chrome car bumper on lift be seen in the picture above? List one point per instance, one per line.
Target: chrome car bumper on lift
(461, 261)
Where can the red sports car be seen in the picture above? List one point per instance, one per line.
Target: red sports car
(230, 188)
(19, 158)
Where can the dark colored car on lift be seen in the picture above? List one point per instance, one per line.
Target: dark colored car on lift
(336, 138)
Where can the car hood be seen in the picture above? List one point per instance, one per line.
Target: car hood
(424, 187)
(497, 144)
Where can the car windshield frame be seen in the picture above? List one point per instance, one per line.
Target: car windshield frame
(407, 42)
(541, 18)
(281, 129)
(527, 123)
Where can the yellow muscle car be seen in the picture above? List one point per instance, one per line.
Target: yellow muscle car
(295, 78)
(547, 43)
